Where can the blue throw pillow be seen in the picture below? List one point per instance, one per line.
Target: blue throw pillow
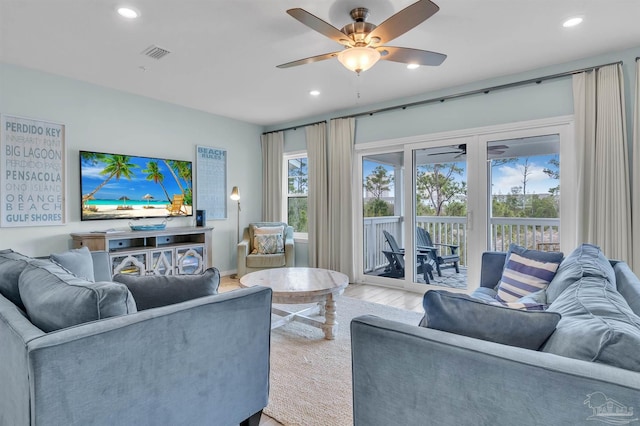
(461, 314)
(77, 261)
(152, 291)
(11, 266)
(55, 298)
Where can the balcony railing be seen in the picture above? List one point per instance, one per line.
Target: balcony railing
(527, 232)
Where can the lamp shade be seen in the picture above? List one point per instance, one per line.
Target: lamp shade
(358, 59)
(235, 193)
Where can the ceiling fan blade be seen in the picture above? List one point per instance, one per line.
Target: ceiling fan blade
(411, 56)
(403, 21)
(319, 25)
(310, 60)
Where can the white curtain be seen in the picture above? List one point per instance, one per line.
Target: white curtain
(603, 168)
(272, 153)
(636, 174)
(318, 208)
(341, 140)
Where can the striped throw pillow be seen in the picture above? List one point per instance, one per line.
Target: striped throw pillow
(523, 276)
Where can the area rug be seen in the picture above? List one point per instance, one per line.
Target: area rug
(310, 381)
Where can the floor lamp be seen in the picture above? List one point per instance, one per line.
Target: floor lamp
(235, 195)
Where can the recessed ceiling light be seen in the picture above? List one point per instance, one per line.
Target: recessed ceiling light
(314, 92)
(572, 22)
(128, 12)
(413, 66)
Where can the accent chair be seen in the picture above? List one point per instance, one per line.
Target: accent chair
(265, 245)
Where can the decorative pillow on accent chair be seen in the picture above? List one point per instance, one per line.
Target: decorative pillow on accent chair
(54, 298)
(526, 272)
(269, 243)
(152, 291)
(259, 238)
(466, 316)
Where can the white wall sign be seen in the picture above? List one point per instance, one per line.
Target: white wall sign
(211, 184)
(32, 179)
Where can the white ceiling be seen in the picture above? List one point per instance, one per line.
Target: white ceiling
(224, 52)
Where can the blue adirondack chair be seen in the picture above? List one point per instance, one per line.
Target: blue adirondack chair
(436, 255)
(395, 257)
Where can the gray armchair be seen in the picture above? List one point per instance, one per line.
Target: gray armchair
(255, 252)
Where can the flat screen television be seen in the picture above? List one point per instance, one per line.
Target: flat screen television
(118, 186)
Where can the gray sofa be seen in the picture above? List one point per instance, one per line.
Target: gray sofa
(411, 375)
(199, 362)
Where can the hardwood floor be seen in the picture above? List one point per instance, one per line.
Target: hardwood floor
(386, 296)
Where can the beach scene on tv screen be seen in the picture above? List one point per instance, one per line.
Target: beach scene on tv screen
(129, 187)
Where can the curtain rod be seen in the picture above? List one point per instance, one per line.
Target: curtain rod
(479, 91)
(295, 127)
(487, 90)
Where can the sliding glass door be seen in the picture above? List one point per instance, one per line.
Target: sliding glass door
(440, 213)
(382, 230)
(429, 209)
(524, 196)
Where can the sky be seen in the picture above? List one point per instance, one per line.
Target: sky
(508, 176)
(135, 188)
(504, 177)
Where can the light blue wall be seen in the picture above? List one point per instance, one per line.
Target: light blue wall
(548, 99)
(102, 119)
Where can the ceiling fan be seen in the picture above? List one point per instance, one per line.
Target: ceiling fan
(462, 150)
(364, 42)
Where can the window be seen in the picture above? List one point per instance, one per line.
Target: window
(297, 192)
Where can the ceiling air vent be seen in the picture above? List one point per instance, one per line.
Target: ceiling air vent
(155, 52)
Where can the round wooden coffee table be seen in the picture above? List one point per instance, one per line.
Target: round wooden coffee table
(299, 286)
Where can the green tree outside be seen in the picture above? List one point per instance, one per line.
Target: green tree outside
(377, 183)
(438, 186)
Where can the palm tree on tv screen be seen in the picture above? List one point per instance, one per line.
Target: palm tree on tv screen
(155, 174)
(184, 171)
(181, 169)
(115, 166)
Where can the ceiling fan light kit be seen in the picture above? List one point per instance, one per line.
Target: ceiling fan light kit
(364, 42)
(358, 59)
